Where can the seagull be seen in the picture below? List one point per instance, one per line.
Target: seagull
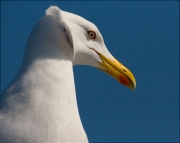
(39, 105)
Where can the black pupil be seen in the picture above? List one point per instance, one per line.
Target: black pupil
(91, 34)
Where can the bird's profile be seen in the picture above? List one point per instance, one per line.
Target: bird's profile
(40, 103)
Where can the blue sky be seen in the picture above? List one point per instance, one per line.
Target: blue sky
(144, 36)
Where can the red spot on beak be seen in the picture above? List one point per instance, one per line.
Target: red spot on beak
(124, 80)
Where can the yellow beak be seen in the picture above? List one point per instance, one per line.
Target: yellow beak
(118, 71)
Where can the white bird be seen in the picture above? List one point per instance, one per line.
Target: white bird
(39, 106)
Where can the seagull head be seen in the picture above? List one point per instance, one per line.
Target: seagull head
(88, 46)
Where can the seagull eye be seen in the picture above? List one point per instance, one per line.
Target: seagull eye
(91, 34)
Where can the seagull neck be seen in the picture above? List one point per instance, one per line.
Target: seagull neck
(41, 100)
(50, 82)
(44, 104)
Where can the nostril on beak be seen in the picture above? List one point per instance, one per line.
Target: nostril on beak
(124, 70)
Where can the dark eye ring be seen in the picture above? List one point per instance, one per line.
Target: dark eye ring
(91, 34)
